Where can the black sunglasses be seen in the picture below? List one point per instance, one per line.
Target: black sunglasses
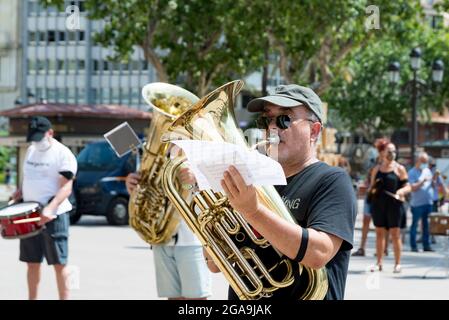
(283, 121)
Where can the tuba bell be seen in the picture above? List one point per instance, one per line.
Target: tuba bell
(150, 213)
(231, 242)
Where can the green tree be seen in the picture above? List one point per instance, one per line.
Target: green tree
(314, 38)
(195, 43)
(364, 99)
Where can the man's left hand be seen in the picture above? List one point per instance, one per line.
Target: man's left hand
(48, 214)
(242, 197)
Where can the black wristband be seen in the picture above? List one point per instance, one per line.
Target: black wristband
(303, 247)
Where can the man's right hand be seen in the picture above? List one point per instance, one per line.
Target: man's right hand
(17, 195)
(131, 181)
(186, 176)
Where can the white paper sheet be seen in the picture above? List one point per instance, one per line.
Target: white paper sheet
(208, 160)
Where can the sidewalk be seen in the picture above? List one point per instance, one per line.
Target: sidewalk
(410, 283)
(5, 193)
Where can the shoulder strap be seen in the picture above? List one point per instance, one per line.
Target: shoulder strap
(397, 166)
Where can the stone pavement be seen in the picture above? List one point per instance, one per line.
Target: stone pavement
(109, 262)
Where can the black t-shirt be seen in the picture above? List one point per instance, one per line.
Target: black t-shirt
(321, 197)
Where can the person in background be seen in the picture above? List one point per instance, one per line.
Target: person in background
(8, 178)
(367, 217)
(49, 168)
(439, 189)
(389, 187)
(421, 201)
(181, 271)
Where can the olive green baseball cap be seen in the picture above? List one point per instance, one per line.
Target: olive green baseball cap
(290, 96)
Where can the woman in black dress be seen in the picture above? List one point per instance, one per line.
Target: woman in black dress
(388, 194)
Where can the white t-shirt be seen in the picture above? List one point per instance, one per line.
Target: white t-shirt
(185, 236)
(41, 173)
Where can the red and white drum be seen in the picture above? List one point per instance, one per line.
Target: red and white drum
(19, 221)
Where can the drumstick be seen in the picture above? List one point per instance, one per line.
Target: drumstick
(394, 195)
(27, 220)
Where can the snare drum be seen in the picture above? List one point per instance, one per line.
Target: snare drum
(19, 221)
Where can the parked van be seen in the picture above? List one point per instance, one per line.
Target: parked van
(99, 187)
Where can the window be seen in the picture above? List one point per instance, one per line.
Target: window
(71, 64)
(80, 95)
(71, 93)
(131, 163)
(51, 94)
(52, 10)
(32, 37)
(51, 36)
(115, 95)
(52, 65)
(135, 66)
(81, 65)
(401, 136)
(81, 6)
(97, 157)
(31, 66)
(61, 36)
(71, 36)
(116, 66)
(105, 95)
(60, 65)
(435, 21)
(32, 8)
(40, 65)
(96, 66)
(39, 94)
(135, 93)
(59, 94)
(93, 92)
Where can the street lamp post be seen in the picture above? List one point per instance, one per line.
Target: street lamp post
(415, 87)
(415, 63)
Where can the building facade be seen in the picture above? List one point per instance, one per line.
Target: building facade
(10, 52)
(62, 64)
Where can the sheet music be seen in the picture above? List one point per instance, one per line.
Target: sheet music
(209, 159)
(122, 139)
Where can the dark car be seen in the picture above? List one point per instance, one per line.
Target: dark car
(99, 187)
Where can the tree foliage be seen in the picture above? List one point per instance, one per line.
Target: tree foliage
(365, 99)
(196, 43)
(324, 44)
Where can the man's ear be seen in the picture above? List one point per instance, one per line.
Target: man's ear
(51, 132)
(315, 131)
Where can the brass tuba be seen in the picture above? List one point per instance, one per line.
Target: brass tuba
(150, 213)
(228, 238)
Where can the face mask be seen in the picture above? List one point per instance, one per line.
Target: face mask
(423, 166)
(42, 145)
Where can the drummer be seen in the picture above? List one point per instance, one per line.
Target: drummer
(48, 172)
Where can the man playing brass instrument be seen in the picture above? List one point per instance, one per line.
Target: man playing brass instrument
(320, 197)
(181, 272)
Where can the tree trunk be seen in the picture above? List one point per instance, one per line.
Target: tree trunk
(154, 60)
